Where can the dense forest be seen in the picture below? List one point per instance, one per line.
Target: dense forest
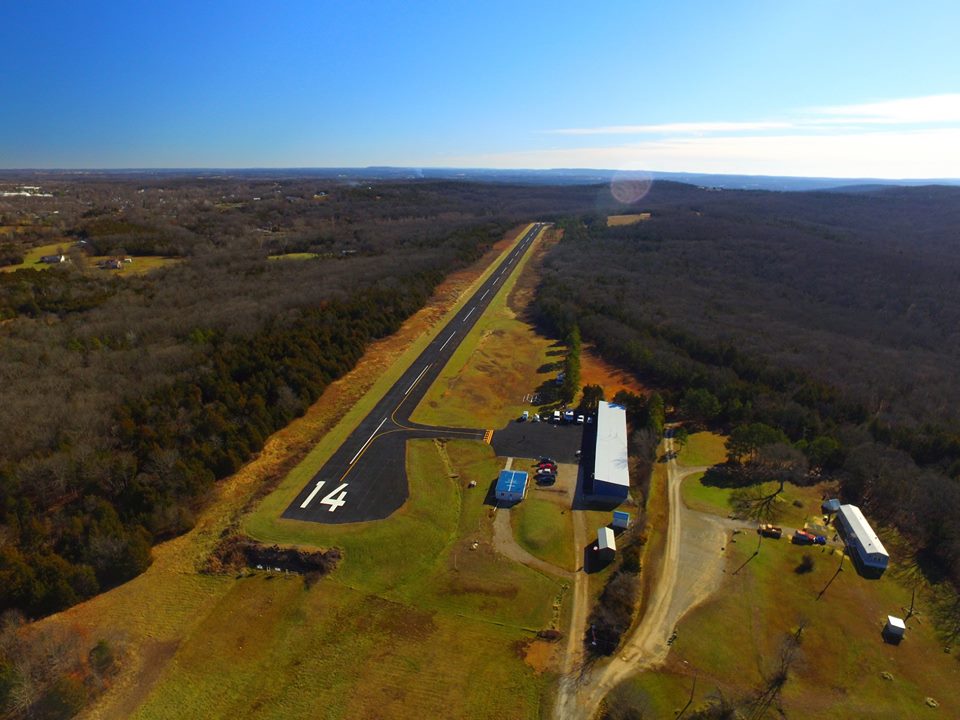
(126, 396)
(830, 320)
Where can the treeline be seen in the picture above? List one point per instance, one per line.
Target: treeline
(638, 294)
(122, 415)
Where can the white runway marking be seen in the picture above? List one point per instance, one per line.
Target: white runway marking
(416, 381)
(312, 495)
(469, 313)
(369, 439)
(445, 343)
(484, 293)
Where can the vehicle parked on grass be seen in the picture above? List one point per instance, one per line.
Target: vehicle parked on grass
(820, 539)
(770, 531)
(801, 537)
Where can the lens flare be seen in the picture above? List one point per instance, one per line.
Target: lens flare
(630, 186)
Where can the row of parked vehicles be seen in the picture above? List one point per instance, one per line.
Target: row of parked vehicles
(800, 537)
(568, 417)
(546, 471)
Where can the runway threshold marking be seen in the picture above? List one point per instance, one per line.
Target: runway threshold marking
(417, 380)
(488, 436)
(312, 494)
(369, 440)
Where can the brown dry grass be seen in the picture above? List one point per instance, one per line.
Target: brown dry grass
(594, 370)
(614, 220)
(165, 603)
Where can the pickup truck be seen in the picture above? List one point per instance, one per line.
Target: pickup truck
(803, 538)
(770, 531)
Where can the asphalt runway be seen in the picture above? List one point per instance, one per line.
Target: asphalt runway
(366, 479)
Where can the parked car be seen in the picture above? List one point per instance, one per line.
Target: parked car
(802, 538)
(771, 531)
(524, 416)
(546, 479)
(569, 416)
(535, 417)
(820, 539)
(580, 419)
(545, 459)
(589, 419)
(556, 416)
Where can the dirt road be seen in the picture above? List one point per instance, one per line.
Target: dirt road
(692, 569)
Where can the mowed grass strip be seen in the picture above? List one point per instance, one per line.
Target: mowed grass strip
(735, 638)
(497, 365)
(273, 649)
(416, 621)
(794, 504)
(544, 528)
(703, 448)
(265, 519)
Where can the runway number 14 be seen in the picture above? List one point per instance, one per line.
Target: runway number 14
(335, 498)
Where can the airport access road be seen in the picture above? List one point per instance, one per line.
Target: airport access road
(365, 478)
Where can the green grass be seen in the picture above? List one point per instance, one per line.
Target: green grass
(141, 263)
(544, 528)
(31, 258)
(495, 366)
(265, 519)
(703, 448)
(704, 498)
(415, 621)
(735, 638)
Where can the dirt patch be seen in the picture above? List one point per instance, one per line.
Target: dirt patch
(236, 552)
(154, 656)
(615, 220)
(594, 370)
(540, 655)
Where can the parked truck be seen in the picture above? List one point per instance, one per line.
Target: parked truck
(770, 531)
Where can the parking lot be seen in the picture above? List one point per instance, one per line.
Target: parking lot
(534, 439)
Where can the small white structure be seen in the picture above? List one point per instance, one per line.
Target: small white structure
(862, 541)
(606, 542)
(894, 629)
(621, 519)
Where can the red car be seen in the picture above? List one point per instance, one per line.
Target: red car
(803, 538)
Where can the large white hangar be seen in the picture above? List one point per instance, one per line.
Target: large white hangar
(611, 473)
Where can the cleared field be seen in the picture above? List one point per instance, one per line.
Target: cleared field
(614, 220)
(414, 622)
(594, 370)
(141, 263)
(704, 498)
(487, 382)
(295, 256)
(543, 525)
(703, 448)
(796, 504)
(842, 657)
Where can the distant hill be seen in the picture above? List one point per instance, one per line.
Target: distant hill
(558, 176)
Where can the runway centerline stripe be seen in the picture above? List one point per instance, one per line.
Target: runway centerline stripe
(312, 495)
(445, 343)
(484, 293)
(369, 440)
(416, 381)
(469, 313)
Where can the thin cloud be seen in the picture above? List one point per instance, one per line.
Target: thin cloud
(930, 109)
(669, 128)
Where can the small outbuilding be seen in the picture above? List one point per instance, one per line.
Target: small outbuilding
(894, 629)
(621, 519)
(606, 542)
(830, 506)
(511, 485)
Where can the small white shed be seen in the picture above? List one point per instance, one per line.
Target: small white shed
(606, 540)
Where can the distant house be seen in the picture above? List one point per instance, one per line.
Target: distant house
(511, 486)
(53, 259)
(111, 264)
(862, 542)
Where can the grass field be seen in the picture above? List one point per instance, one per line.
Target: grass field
(734, 639)
(295, 256)
(796, 504)
(485, 381)
(543, 525)
(141, 263)
(414, 619)
(703, 448)
(614, 220)
(704, 498)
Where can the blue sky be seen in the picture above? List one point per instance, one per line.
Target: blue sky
(836, 88)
